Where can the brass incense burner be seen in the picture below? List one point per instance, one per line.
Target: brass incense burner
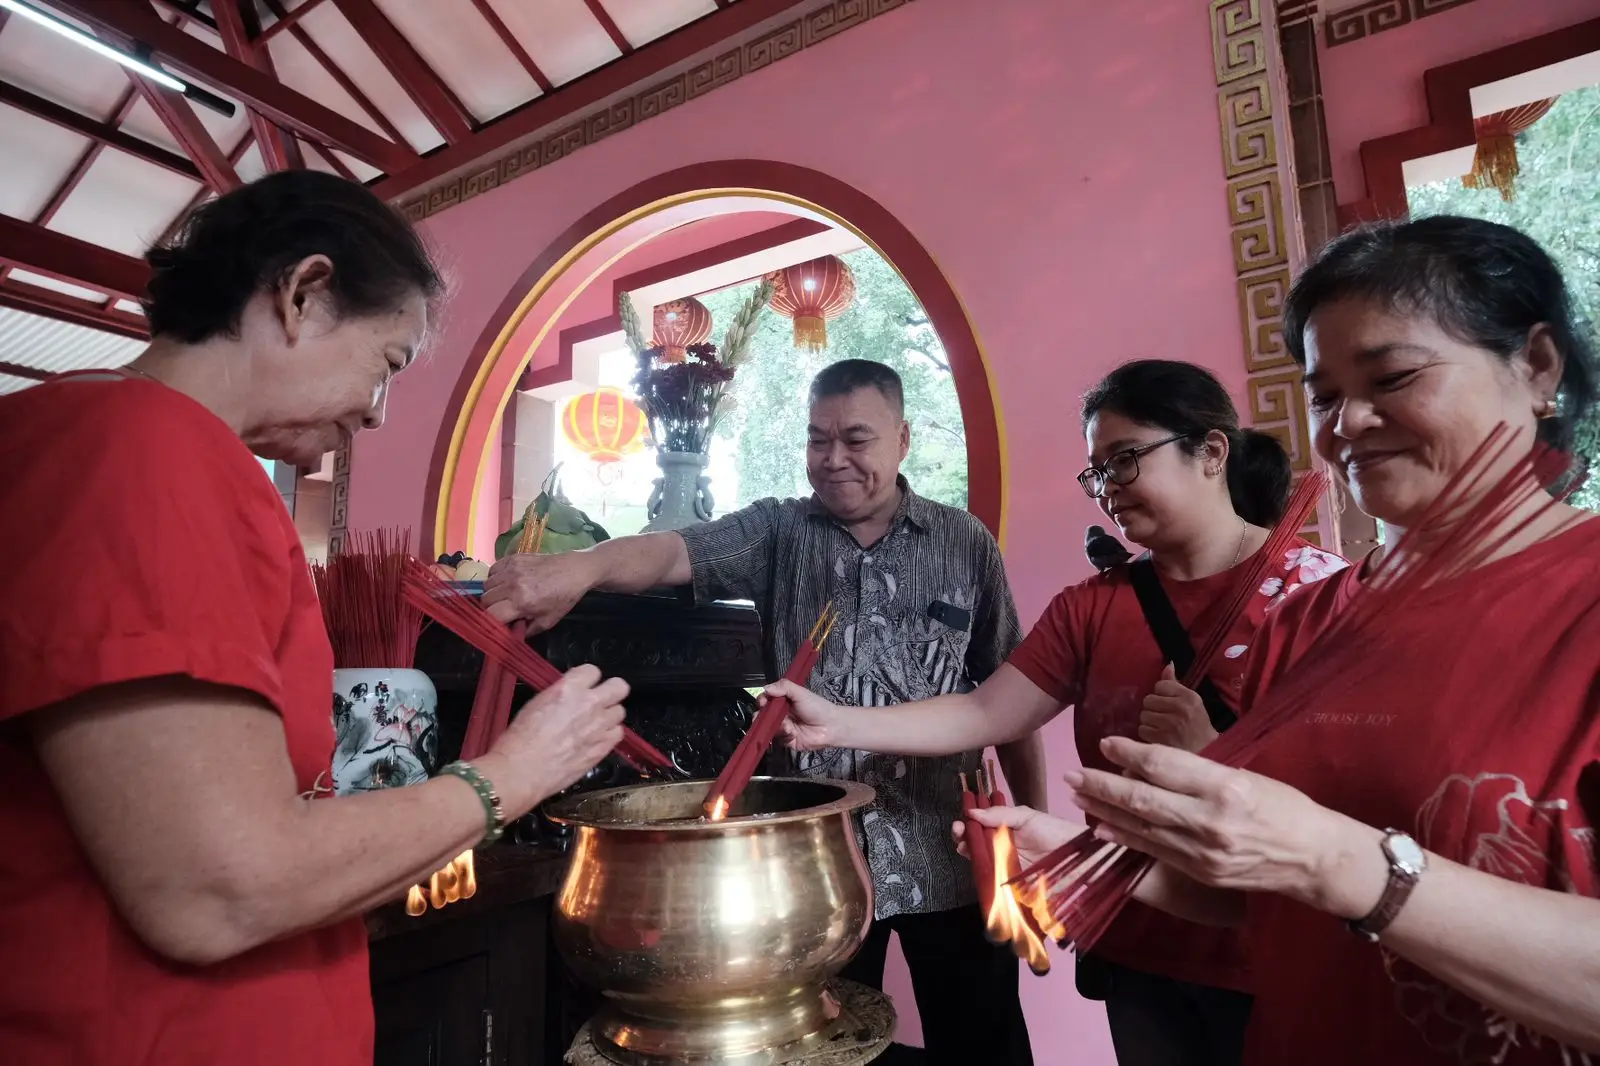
(713, 941)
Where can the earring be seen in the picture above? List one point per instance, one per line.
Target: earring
(1549, 408)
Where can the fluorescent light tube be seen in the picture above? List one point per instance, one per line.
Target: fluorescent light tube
(94, 44)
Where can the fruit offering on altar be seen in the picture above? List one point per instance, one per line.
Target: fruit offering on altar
(459, 567)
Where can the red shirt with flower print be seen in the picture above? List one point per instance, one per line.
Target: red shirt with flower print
(1478, 732)
(1093, 650)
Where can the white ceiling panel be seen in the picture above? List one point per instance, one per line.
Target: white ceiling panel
(642, 21)
(123, 203)
(466, 53)
(334, 35)
(38, 156)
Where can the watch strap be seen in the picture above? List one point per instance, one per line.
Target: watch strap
(1402, 880)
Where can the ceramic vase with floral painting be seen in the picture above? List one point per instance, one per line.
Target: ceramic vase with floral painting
(386, 729)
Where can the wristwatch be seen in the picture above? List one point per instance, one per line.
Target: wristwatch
(1407, 861)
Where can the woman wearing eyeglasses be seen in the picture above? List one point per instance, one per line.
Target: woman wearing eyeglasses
(1170, 466)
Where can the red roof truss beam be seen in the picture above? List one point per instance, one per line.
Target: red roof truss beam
(334, 71)
(64, 308)
(106, 133)
(609, 24)
(68, 259)
(240, 30)
(448, 115)
(513, 45)
(287, 19)
(178, 116)
(194, 58)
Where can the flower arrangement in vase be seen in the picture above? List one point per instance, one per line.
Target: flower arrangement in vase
(683, 400)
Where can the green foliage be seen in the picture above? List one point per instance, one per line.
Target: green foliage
(886, 324)
(1558, 204)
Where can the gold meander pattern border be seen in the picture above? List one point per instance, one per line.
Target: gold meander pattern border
(339, 519)
(1379, 16)
(1256, 166)
(793, 37)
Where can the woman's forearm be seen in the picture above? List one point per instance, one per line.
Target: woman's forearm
(1531, 954)
(185, 803)
(349, 858)
(1007, 707)
(1183, 897)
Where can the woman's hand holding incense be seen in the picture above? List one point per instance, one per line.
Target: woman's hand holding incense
(556, 738)
(1230, 828)
(813, 722)
(1033, 833)
(1175, 716)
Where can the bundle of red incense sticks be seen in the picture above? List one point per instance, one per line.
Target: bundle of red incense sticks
(465, 616)
(764, 730)
(994, 863)
(1247, 582)
(1077, 891)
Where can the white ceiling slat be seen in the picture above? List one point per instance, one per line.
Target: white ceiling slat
(123, 203)
(56, 347)
(9, 384)
(642, 21)
(302, 72)
(144, 123)
(38, 157)
(561, 36)
(466, 55)
(55, 285)
(328, 27)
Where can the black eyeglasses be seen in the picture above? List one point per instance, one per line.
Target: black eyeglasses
(1120, 469)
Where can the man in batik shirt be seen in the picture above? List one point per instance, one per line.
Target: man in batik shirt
(924, 609)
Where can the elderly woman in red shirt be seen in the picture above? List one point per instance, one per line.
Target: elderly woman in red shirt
(1415, 856)
(178, 890)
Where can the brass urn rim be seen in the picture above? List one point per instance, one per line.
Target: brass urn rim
(570, 809)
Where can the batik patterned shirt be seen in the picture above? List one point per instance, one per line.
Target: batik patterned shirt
(924, 612)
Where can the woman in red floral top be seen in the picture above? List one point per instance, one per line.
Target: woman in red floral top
(1171, 467)
(1414, 856)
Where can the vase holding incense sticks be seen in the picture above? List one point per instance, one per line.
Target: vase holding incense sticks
(386, 729)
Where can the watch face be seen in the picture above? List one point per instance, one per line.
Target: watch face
(1406, 853)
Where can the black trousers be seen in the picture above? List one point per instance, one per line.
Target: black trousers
(1157, 1021)
(966, 987)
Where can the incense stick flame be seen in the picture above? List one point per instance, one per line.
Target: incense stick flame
(719, 810)
(1006, 923)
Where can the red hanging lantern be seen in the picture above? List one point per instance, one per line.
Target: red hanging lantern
(812, 293)
(604, 424)
(678, 324)
(1494, 163)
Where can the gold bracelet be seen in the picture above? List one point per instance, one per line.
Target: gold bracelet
(494, 816)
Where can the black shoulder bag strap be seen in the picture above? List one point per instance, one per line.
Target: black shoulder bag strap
(1173, 639)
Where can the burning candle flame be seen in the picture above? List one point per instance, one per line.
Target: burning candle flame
(1006, 921)
(416, 903)
(455, 882)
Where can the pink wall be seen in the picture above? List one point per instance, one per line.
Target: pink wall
(1373, 87)
(1061, 161)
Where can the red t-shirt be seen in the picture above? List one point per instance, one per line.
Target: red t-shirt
(1094, 650)
(142, 539)
(1470, 733)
